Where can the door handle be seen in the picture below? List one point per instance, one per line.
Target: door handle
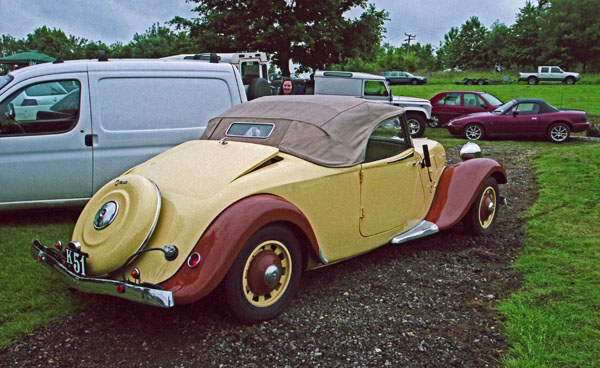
(89, 140)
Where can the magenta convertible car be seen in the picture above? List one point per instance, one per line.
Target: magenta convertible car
(521, 117)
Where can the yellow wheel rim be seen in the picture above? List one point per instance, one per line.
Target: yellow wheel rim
(487, 207)
(272, 296)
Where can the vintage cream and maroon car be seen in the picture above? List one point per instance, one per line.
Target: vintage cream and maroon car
(274, 187)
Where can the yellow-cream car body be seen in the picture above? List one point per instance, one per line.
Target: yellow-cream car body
(196, 190)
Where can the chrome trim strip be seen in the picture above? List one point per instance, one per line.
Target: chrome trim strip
(136, 293)
(322, 257)
(402, 158)
(422, 229)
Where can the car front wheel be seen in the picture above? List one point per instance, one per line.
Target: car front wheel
(434, 122)
(416, 124)
(474, 132)
(265, 275)
(570, 81)
(558, 133)
(482, 215)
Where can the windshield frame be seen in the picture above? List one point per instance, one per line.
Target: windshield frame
(491, 99)
(505, 107)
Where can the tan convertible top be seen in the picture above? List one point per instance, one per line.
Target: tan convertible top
(327, 130)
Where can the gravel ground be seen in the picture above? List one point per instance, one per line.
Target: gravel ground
(426, 303)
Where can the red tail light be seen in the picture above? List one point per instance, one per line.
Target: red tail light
(194, 260)
(135, 273)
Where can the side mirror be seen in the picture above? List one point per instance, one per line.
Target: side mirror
(426, 157)
(11, 114)
(515, 112)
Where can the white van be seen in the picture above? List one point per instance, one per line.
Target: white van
(102, 118)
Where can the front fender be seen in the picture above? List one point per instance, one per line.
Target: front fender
(224, 238)
(458, 187)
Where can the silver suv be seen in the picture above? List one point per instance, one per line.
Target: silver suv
(374, 88)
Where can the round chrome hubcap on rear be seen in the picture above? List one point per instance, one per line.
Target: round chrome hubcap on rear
(267, 273)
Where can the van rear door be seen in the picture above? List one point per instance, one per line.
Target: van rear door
(140, 113)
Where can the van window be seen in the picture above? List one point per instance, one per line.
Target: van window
(160, 103)
(42, 108)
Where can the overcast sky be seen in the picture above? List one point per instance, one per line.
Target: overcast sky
(113, 20)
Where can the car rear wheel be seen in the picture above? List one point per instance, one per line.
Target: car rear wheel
(532, 81)
(474, 132)
(481, 82)
(469, 82)
(414, 82)
(265, 275)
(558, 132)
(482, 215)
(416, 124)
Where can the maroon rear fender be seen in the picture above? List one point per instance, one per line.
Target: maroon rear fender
(222, 241)
(458, 188)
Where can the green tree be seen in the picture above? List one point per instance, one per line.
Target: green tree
(574, 30)
(497, 45)
(527, 32)
(313, 33)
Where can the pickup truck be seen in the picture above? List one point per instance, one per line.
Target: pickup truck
(550, 74)
(374, 88)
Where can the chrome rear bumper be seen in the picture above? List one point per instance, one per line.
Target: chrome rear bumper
(137, 293)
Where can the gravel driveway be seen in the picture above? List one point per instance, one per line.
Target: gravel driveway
(426, 303)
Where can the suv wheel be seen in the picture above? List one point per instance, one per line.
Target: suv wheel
(416, 124)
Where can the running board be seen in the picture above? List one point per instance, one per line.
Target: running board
(422, 229)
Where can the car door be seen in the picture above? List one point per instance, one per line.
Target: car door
(448, 107)
(391, 189)
(43, 155)
(472, 103)
(522, 118)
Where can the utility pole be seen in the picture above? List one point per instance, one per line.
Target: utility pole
(410, 37)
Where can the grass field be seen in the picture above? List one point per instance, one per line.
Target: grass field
(553, 321)
(579, 96)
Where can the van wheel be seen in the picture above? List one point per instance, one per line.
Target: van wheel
(265, 275)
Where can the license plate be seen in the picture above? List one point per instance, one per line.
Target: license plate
(75, 261)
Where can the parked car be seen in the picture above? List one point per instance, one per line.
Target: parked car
(403, 78)
(450, 105)
(374, 88)
(119, 113)
(294, 183)
(550, 74)
(521, 117)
